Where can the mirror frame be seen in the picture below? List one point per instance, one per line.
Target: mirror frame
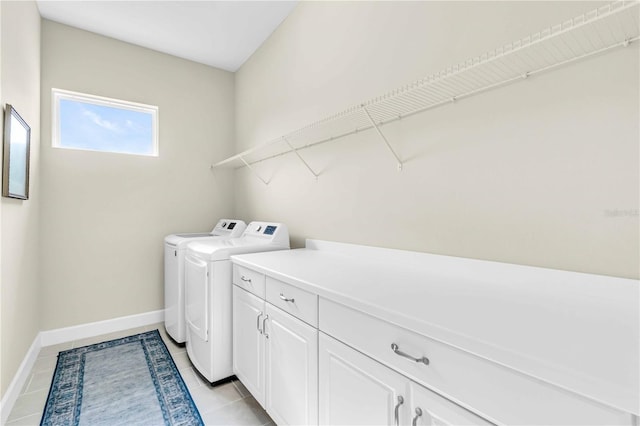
(9, 140)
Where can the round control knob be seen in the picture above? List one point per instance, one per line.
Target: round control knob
(259, 228)
(224, 224)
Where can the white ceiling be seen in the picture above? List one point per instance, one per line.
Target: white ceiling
(223, 34)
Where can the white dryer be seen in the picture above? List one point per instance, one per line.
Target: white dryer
(208, 294)
(175, 246)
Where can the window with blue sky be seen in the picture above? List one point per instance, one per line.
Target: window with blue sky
(94, 123)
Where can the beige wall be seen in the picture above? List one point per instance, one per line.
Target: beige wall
(523, 174)
(19, 228)
(104, 216)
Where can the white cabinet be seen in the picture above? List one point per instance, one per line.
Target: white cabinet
(492, 390)
(275, 355)
(405, 338)
(292, 369)
(248, 342)
(356, 390)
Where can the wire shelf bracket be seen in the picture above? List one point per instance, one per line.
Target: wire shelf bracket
(382, 136)
(250, 167)
(300, 157)
(611, 26)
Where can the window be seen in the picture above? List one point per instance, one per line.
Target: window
(94, 123)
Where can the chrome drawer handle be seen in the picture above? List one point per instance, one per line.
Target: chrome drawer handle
(285, 299)
(397, 350)
(396, 417)
(418, 415)
(264, 330)
(246, 280)
(258, 322)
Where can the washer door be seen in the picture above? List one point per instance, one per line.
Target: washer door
(196, 296)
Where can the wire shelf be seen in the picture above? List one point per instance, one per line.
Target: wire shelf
(614, 25)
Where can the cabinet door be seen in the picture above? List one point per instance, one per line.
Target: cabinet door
(292, 369)
(429, 408)
(356, 390)
(248, 342)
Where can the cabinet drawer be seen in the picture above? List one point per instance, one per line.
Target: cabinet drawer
(493, 391)
(299, 303)
(250, 280)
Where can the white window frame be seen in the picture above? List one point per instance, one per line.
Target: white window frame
(59, 94)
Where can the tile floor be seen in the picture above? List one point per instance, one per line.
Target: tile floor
(226, 404)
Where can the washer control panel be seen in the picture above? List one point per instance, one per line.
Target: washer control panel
(229, 227)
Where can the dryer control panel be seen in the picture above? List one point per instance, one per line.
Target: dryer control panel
(271, 232)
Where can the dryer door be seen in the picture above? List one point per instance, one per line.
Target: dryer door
(196, 296)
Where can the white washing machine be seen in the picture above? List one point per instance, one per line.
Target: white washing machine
(208, 294)
(175, 246)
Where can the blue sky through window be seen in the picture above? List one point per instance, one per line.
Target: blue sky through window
(85, 125)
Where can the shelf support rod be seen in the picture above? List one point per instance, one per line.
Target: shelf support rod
(300, 157)
(253, 170)
(375, 126)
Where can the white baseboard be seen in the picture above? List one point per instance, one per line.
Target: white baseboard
(19, 380)
(68, 334)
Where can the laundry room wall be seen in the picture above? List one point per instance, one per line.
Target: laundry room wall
(104, 216)
(19, 222)
(543, 172)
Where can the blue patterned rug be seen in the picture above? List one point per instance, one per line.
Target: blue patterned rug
(127, 381)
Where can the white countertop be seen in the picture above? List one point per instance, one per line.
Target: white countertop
(578, 331)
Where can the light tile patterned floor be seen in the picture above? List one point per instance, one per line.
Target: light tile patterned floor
(226, 404)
